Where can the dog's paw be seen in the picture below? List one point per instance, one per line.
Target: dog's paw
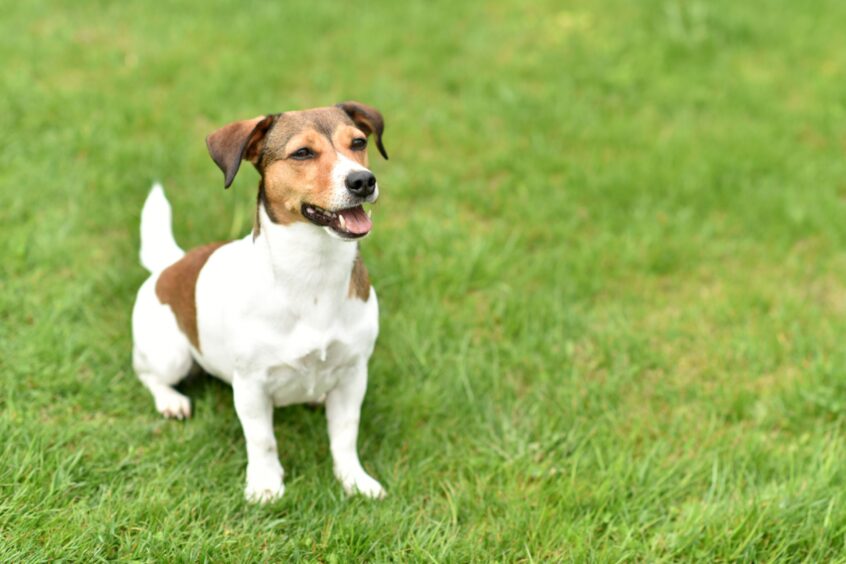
(173, 405)
(264, 489)
(362, 483)
(262, 495)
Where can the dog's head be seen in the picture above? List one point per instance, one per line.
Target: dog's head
(313, 164)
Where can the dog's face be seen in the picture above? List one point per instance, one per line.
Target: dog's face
(313, 164)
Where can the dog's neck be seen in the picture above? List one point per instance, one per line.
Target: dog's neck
(304, 257)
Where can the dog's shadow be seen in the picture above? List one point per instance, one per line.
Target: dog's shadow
(300, 429)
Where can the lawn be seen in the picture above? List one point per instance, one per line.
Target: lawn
(610, 255)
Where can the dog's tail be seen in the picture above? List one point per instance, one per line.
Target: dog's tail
(158, 247)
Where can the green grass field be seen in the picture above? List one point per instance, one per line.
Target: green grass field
(610, 256)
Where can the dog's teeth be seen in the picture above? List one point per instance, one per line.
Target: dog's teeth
(342, 221)
(368, 213)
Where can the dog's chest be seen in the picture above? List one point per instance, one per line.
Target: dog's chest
(309, 351)
(299, 333)
(309, 377)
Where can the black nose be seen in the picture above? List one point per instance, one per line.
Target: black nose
(361, 183)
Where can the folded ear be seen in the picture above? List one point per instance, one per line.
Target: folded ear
(367, 119)
(236, 141)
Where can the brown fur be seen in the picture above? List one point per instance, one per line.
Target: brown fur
(236, 141)
(268, 141)
(368, 119)
(359, 280)
(176, 287)
(287, 183)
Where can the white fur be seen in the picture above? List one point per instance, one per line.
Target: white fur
(276, 321)
(158, 248)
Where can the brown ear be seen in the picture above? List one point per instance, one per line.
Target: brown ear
(367, 119)
(236, 141)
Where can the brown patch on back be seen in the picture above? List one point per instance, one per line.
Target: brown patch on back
(177, 285)
(359, 280)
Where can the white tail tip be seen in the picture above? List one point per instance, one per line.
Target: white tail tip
(158, 247)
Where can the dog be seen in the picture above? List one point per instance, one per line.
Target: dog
(285, 315)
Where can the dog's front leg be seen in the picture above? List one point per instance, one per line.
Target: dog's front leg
(343, 408)
(255, 410)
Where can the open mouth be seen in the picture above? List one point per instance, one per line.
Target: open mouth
(350, 223)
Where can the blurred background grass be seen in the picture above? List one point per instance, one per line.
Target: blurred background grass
(609, 255)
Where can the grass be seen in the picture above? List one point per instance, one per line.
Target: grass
(609, 255)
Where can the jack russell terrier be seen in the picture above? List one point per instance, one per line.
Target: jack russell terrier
(285, 315)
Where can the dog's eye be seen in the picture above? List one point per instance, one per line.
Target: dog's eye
(302, 154)
(358, 144)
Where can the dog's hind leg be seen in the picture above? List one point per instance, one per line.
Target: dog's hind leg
(169, 402)
(161, 354)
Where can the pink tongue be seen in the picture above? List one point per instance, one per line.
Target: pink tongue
(356, 221)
